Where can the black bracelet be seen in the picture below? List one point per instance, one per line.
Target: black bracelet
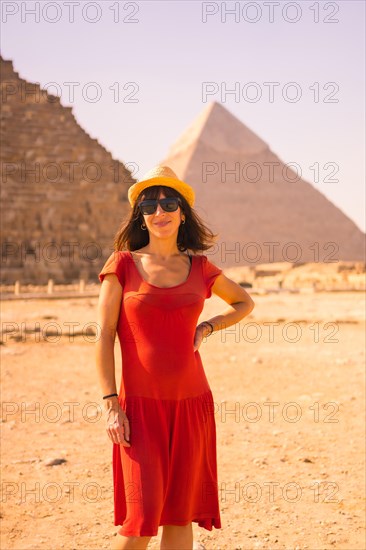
(110, 395)
(211, 325)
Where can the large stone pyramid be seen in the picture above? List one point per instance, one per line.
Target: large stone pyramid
(247, 209)
(63, 195)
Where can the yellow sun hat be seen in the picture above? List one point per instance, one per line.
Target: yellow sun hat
(161, 175)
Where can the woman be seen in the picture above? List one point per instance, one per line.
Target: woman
(162, 421)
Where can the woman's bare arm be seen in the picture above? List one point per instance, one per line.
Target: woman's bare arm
(241, 304)
(109, 304)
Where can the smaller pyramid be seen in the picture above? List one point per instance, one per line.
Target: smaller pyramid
(221, 131)
(247, 195)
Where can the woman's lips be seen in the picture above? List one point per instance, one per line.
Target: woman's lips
(162, 224)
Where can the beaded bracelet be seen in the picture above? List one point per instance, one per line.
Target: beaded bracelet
(110, 395)
(211, 325)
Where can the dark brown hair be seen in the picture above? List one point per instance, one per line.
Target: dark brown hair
(193, 234)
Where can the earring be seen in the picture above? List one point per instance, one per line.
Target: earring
(143, 226)
(183, 221)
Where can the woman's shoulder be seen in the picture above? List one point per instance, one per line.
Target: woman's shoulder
(199, 257)
(113, 264)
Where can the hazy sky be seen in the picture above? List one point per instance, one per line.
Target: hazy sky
(160, 54)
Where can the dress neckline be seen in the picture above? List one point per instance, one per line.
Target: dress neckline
(163, 287)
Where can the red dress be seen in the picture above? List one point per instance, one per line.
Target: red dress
(168, 476)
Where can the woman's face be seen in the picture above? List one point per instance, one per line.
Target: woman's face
(161, 223)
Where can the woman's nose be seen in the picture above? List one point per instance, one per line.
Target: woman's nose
(159, 209)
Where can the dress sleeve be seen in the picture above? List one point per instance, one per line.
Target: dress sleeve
(114, 264)
(210, 272)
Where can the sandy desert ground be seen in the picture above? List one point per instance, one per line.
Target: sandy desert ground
(288, 383)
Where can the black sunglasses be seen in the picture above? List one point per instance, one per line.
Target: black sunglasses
(168, 204)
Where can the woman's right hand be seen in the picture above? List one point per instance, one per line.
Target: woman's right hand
(117, 425)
